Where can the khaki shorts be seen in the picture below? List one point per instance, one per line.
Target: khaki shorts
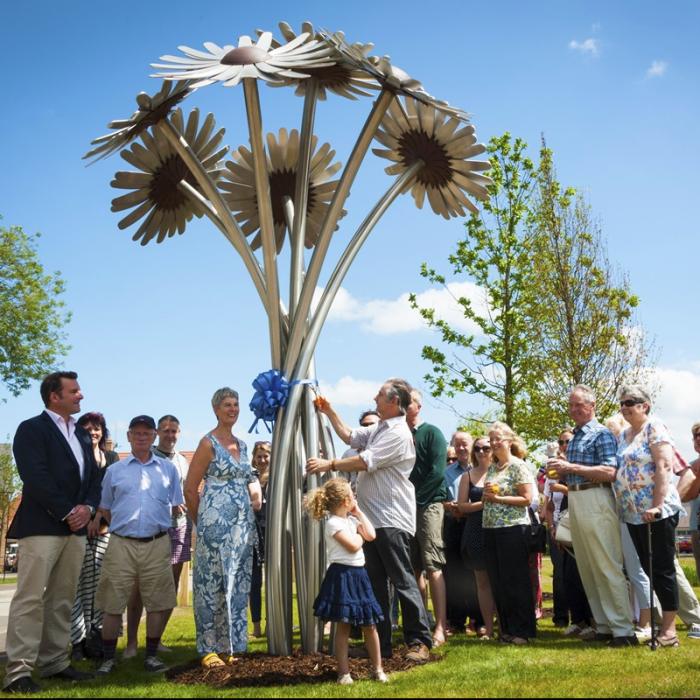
(127, 562)
(427, 548)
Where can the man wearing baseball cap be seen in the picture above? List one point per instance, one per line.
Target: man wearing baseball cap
(139, 494)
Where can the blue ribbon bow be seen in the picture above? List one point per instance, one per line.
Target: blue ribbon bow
(271, 391)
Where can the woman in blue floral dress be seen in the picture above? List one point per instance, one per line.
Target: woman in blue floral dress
(225, 535)
(648, 501)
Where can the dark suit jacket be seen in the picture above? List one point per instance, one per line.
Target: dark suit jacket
(51, 478)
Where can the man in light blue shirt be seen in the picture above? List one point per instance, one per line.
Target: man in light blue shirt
(139, 494)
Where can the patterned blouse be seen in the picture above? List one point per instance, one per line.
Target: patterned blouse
(634, 484)
(515, 473)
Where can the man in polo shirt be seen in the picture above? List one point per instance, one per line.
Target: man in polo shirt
(385, 459)
(140, 493)
(428, 479)
(589, 468)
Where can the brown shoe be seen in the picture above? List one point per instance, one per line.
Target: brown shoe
(418, 652)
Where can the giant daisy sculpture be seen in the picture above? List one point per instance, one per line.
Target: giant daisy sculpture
(421, 133)
(152, 109)
(231, 64)
(238, 185)
(288, 185)
(157, 195)
(341, 78)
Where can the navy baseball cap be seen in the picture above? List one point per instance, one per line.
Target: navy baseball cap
(143, 420)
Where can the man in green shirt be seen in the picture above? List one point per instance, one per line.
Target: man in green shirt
(428, 478)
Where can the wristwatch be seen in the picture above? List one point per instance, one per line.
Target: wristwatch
(92, 511)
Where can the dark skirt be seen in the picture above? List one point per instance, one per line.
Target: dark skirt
(346, 596)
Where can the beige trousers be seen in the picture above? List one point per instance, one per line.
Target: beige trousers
(595, 533)
(38, 628)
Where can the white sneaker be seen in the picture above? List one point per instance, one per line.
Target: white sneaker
(345, 679)
(153, 664)
(380, 676)
(106, 667)
(572, 630)
(643, 634)
(694, 631)
(587, 634)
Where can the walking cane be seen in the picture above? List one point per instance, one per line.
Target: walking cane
(653, 643)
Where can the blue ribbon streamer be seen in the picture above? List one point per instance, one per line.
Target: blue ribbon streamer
(271, 393)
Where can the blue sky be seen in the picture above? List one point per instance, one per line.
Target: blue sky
(613, 86)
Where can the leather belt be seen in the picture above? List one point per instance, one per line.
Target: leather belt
(143, 539)
(590, 485)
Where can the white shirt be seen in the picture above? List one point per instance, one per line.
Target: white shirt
(336, 553)
(384, 492)
(68, 432)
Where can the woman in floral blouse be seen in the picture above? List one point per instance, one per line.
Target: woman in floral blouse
(647, 498)
(508, 492)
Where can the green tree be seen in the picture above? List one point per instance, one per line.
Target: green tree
(495, 254)
(10, 486)
(583, 329)
(32, 314)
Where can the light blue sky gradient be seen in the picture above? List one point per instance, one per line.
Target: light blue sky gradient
(157, 329)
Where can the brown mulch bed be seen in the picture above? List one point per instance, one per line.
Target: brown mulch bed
(261, 669)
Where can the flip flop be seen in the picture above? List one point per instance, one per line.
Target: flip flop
(212, 660)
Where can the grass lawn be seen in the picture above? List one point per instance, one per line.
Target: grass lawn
(553, 666)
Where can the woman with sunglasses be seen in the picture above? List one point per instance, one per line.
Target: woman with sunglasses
(648, 501)
(86, 621)
(508, 492)
(470, 504)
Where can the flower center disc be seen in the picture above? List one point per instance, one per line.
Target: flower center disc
(417, 145)
(243, 56)
(164, 189)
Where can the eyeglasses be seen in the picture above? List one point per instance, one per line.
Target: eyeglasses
(563, 442)
(630, 402)
(484, 448)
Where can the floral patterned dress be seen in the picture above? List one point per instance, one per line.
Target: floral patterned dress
(224, 553)
(634, 483)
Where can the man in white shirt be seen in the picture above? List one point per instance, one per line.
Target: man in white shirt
(385, 459)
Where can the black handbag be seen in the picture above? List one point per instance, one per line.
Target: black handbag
(535, 535)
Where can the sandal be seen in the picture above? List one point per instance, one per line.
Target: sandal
(669, 642)
(228, 659)
(212, 660)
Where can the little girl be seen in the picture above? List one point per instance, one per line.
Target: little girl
(346, 595)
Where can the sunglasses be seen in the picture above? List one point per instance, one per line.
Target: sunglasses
(630, 402)
(485, 448)
(563, 442)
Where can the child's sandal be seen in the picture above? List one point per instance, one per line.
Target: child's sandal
(212, 660)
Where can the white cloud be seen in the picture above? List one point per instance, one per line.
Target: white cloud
(587, 46)
(657, 69)
(392, 316)
(348, 391)
(678, 403)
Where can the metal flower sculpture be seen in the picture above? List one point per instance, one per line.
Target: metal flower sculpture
(284, 185)
(420, 133)
(238, 185)
(152, 109)
(156, 194)
(341, 78)
(229, 64)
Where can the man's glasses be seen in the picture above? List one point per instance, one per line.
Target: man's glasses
(563, 442)
(628, 403)
(485, 448)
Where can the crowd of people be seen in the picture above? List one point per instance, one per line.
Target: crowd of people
(406, 516)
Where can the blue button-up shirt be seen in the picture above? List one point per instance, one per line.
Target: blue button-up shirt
(141, 496)
(453, 475)
(592, 445)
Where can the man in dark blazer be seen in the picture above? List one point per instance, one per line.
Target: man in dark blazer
(60, 492)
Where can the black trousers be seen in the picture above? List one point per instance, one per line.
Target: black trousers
(388, 558)
(576, 599)
(663, 547)
(560, 608)
(460, 584)
(507, 563)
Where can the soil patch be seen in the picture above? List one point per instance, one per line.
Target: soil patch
(261, 669)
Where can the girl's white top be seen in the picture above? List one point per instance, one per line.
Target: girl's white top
(336, 553)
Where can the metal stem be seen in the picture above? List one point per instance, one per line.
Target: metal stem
(359, 151)
(231, 228)
(301, 195)
(267, 232)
